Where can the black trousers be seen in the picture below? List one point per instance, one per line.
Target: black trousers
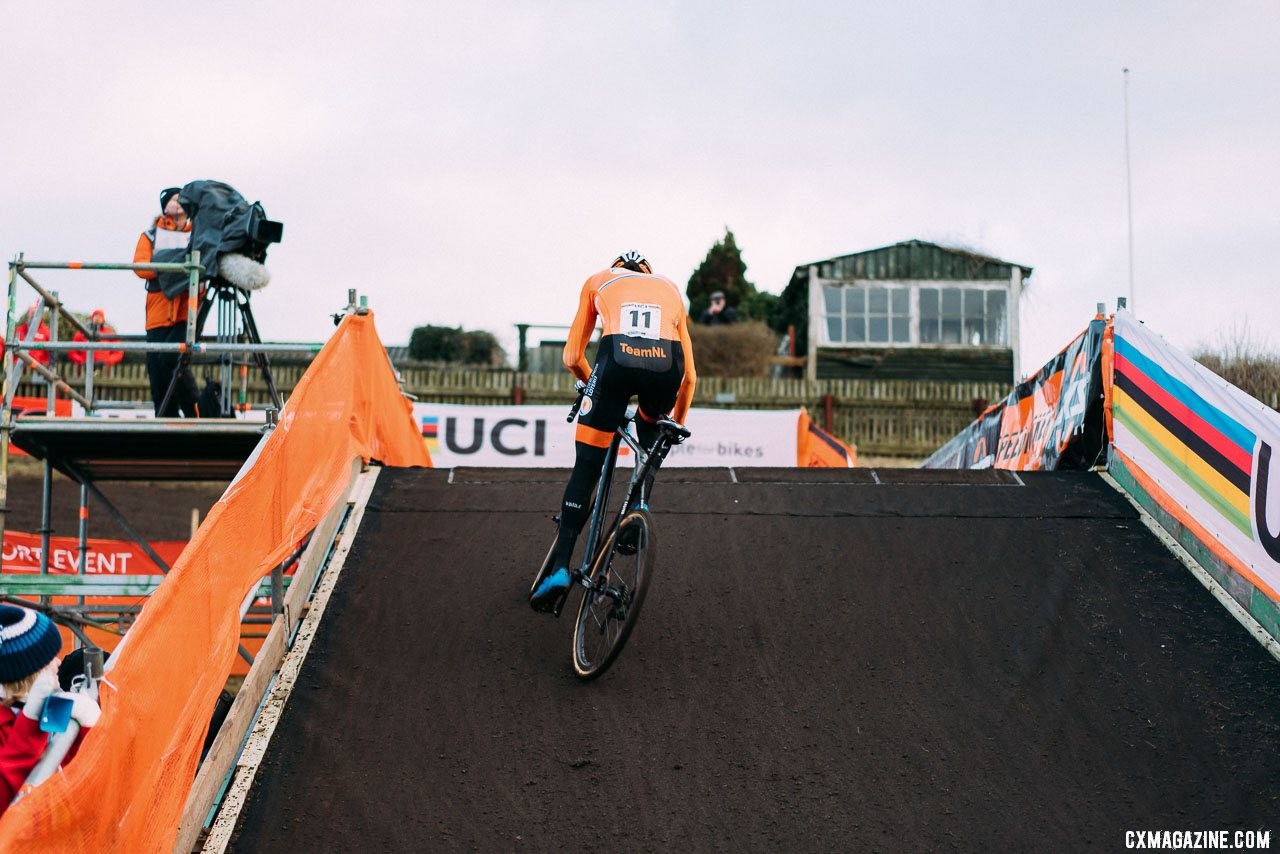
(160, 371)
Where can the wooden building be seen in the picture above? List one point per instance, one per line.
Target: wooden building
(913, 310)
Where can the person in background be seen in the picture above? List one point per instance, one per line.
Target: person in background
(167, 316)
(719, 312)
(29, 647)
(41, 333)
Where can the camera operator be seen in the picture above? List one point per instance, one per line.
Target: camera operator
(167, 240)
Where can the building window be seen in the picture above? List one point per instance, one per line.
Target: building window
(963, 316)
(874, 315)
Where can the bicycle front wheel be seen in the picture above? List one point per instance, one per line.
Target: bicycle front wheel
(611, 603)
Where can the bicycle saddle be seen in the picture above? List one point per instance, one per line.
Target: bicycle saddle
(673, 428)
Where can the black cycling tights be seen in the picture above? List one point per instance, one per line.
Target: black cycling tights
(576, 505)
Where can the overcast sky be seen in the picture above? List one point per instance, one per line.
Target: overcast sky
(471, 163)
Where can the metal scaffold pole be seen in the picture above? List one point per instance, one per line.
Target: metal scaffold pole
(6, 409)
(91, 449)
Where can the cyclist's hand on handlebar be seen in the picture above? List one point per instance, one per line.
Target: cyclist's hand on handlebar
(581, 388)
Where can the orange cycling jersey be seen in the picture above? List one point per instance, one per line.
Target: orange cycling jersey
(644, 323)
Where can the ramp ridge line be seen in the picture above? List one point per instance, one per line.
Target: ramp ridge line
(1210, 583)
(255, 747)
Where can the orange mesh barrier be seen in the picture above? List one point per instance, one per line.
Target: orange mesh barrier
(126, 789)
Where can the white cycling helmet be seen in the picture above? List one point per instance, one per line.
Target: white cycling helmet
(633, 260)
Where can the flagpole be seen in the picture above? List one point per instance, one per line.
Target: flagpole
(1128, 185)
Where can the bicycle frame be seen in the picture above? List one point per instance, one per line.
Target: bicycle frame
(599, 507)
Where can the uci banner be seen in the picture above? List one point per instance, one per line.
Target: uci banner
(1053, 420)
(539, 436)
(1212, 450)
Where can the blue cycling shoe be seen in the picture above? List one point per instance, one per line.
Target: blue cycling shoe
(548, 592)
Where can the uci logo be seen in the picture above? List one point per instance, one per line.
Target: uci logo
(1266, 502)
(510, 437)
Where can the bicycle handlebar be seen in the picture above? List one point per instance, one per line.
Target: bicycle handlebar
(577, 404)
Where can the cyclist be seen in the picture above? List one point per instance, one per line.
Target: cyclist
(644, 351)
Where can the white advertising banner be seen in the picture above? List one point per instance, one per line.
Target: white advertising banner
(1211, 448)
(539, 436)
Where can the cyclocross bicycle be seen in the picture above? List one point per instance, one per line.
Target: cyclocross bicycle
(618, 561)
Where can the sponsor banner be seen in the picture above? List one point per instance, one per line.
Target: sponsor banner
(21, 553)
(1213, 450)
(21, 556)
(1053, 420)
(539, 436)
(737, 437)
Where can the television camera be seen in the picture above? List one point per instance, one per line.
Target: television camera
(232, 236)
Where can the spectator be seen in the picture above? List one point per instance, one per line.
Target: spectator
(29, 646)
(718, 313)
(98, 323)
(41, 334)
(167, 240)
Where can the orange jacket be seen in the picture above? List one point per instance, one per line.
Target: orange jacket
(636, 305)
(161, 311)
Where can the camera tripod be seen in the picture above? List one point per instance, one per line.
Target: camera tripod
(236, 324)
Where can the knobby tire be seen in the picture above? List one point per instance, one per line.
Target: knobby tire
(599, 633)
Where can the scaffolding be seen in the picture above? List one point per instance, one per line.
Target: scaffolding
(88, 448)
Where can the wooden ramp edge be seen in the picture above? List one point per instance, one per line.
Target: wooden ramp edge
(242, 740)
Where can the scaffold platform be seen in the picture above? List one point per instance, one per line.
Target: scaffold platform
(139, 449)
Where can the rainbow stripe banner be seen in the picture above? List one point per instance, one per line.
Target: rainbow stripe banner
(1205, 443)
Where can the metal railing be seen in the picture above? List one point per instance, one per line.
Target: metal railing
(19, 357)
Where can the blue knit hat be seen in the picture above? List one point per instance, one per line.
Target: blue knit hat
(28, 642)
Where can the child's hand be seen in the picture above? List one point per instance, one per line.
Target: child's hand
(46, 683)
(85, 711)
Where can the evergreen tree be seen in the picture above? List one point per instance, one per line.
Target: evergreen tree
(792, 309)
(722, 270)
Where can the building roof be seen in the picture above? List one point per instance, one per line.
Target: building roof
(916, 259)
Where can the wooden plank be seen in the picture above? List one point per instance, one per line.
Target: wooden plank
(226, 745)
(316, 552)
(256, 746)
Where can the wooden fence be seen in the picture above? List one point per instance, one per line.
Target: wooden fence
(881, 417)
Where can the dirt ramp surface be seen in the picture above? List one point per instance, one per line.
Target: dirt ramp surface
(906, 662)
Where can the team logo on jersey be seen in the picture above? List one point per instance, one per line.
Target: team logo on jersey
(587, 405)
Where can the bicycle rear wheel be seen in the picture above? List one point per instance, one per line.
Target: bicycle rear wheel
(611, 604)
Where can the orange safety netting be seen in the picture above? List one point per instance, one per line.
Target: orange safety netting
(126, 789)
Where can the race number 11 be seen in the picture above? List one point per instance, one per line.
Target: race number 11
(640, 320)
